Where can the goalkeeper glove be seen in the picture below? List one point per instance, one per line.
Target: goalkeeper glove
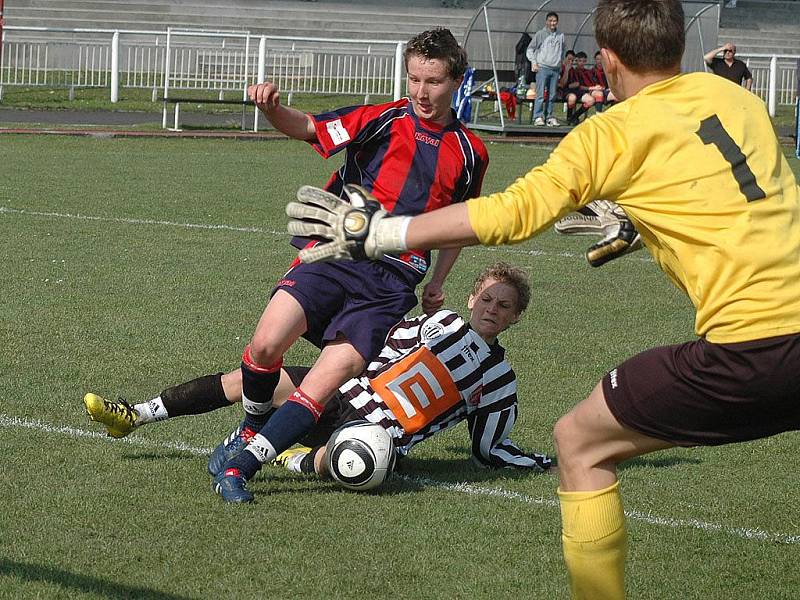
(357, 230)
(620, 238)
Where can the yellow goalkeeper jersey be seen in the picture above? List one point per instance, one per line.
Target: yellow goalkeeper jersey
(696, 165)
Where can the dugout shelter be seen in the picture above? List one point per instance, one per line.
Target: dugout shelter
(497, 26)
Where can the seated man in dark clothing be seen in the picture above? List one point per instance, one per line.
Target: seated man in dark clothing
(728, 66)
(581, 86)
(602, 94)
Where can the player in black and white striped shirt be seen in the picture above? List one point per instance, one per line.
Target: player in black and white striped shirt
(436, 371)
(433, 372)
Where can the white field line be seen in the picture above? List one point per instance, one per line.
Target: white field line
(460, 488)
(650, 519)
(79, 217)
(641, 256)
(37, 425)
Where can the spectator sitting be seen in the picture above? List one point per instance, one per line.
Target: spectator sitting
(566, 72)
(581, 86)
(603, 95)
(728, 66)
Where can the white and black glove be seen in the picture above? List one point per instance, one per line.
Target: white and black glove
(357, 230)
(619, 238)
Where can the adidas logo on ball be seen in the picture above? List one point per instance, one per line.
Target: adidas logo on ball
(360, 455)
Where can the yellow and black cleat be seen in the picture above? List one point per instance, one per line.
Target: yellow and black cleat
(118, 416)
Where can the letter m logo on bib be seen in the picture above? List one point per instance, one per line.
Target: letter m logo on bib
(417, 389)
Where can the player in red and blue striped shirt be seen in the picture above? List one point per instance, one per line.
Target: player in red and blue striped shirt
(411, 164)
(414, 156)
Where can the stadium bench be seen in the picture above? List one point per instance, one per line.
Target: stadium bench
(178, 101)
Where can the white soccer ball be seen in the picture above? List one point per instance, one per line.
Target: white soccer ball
(360, 456)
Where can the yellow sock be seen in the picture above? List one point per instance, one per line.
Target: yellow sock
(594, 541)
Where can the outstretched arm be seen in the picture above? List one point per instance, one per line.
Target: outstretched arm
(491, 446)
(292, 122)
(361, 229)
(448, 227)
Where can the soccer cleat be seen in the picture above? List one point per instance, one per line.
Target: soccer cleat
(231, 446)
(232, 486)
(287, 458)
(118, 416)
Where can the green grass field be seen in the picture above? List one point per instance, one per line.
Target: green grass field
(131, 265)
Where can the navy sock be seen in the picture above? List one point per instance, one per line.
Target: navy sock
(287, 424)
(246, 462)
(258, 385)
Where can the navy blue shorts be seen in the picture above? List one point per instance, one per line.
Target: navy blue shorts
(699, 393)
(358, 300)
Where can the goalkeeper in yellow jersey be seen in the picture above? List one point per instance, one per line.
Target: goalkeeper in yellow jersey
(692, 159)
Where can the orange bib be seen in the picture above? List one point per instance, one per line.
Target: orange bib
(417, 389)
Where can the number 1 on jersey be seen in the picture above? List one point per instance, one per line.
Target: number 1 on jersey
(712, 132)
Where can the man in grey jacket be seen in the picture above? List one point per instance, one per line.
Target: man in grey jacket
(545, 53)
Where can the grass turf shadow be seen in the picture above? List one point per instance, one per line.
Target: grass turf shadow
(84, 583)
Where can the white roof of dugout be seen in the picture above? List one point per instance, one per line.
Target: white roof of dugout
(498, 25)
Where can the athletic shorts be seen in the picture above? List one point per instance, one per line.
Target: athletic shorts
(358, 300)
(336, 413)
(704, 394)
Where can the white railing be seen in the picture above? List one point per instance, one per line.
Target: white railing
(183, 60)
(774, 78)
(226, 62)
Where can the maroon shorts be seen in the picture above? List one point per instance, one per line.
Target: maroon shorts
(699, 393)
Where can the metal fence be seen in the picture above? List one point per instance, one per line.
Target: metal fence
(182, 60)
(179, 61)
(774, 77)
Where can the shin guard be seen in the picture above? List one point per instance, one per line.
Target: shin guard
(258, 385)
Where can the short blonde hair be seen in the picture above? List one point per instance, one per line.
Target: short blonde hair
(510, 275)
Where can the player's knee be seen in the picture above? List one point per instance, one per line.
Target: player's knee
(264, 351)
(568, 442)
(561, 435)
(355, 366)
(232, 385)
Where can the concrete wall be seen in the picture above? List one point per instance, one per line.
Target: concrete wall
(354, 19)
(761, 26)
